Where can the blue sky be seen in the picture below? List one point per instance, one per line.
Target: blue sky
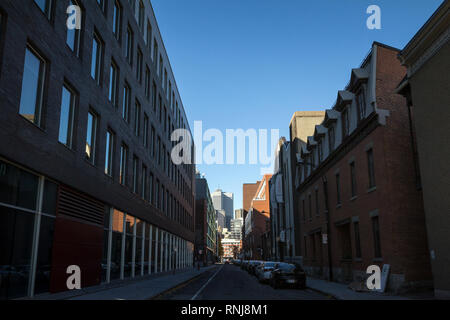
(253, 63)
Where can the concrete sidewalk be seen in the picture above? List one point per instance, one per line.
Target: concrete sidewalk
(341, 291)
(143, 288)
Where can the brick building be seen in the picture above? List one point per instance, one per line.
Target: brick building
(359, 204)
(257, 223)
(86, 176)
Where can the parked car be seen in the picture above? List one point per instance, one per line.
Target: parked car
(288, 275)
(264, 271)
(244, 264)
(253, 265)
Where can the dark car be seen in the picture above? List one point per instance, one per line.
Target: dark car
(244, 264)
(288, 275)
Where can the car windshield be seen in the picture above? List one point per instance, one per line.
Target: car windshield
(269, 265)
(287, 268)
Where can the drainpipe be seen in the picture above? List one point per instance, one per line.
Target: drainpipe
(327, 216)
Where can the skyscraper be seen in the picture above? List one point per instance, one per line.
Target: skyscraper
(224, 201)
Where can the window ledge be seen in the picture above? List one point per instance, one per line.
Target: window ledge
(339, 206)
(358, 260)
(353, 198)
(371, 189)
(377, 260)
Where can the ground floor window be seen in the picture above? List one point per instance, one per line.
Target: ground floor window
(27, 220)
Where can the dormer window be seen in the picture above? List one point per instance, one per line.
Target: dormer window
(361, 104)
(331, 138)
(320, 151)
(345, 123)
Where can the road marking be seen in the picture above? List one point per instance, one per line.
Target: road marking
(207, 282)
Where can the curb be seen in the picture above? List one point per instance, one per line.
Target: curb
(178, 286)
(324, 293)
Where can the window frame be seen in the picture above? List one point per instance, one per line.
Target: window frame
(41, 86)
(71, 118)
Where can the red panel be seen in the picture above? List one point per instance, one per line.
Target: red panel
(76, 243)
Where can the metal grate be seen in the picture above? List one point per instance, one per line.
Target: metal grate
(79, 206)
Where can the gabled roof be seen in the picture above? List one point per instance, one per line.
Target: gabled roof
(319, 131)
(359, 75)
(311, 143)
(331, 115)
(344, 97)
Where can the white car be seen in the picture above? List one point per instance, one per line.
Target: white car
(264, 271)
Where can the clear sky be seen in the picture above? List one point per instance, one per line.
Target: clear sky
(253, 63)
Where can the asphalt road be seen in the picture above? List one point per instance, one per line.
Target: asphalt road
(230, 282)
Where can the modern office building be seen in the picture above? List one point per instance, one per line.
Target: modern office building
(236, 228)
(205, 223)
(86, 176)
(427, 89)
(224, 201)
(357, 184)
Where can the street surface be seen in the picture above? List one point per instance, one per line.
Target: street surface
(230, 282)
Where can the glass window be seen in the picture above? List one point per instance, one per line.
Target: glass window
(44, 259)
(129, 45)
(139, 66)
(123, 164)
(144, 183)
(141, 15)
(147, 83)
(126, 102)
(18, 187)
(97, 56)
(145, 130)
(66, 120)
(16, 241)
(109, 152)
(31, 99)
(73, 35)
(91, 137)
(357, 240)
(137, 119)
(135, 174)
(149, 35)
(361, 102)
(113, 83)
(45, 6)
(102, 4)
(331, 138)
(370, 164)
(117, 19)
(128, 267)
(155, 52)
(376, 236)
(154, 97)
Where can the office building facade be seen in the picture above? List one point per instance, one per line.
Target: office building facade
(86, 176)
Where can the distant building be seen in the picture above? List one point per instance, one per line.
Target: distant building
(236, 228)
(239, 214)
(220, 217)
(285, 224)
(205, 223)
(427, 88)
(224, 201)
(257, 223)
(231, 248)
